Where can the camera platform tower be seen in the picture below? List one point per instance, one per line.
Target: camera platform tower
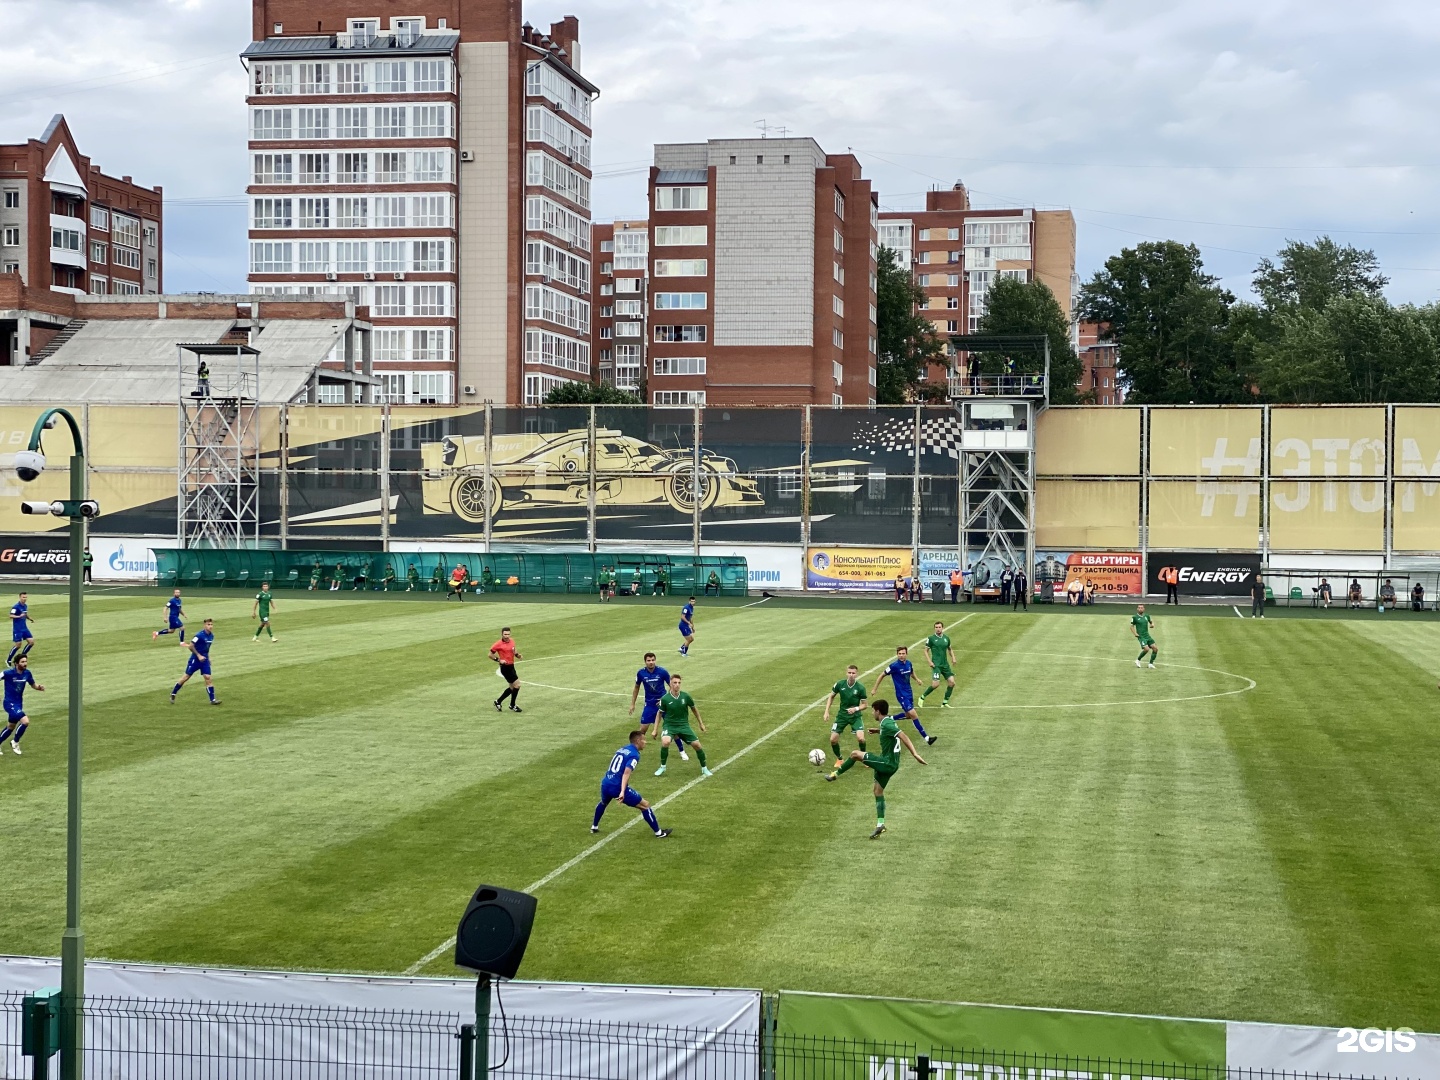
(219, 390)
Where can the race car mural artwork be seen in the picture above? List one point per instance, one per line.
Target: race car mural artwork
(532, 471)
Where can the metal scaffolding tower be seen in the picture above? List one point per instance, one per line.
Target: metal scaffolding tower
(998, 411)
(219, 445)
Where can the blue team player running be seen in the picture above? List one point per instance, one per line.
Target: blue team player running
(199, 647)
(687, 626)
(902, 673)
(616, 785)
(174, 616)
(16, 722)
(656, 680)
(22, 640)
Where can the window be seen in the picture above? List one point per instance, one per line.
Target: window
(632, 249)
(266, 258)
(352, 213)
(838, 338)
(628, 285)
(952, 234)
(99, 285)
(431, 344)
(839, 205)
(839, 306)
(954, 256)
(633, 309)
(432, 166)
(352, 123)
(953, 303)
(314, 168)
(430, 121)
(924, 234)
(12, 238)
(537, 386)
(544, 126)
(683, 198)
(124, 288)
(315, 258)
(9, 268)
(429, 256)
(680, 365)
(273, 168)
(352, 168)
(97, 249)
(542, 170)
(953, 281)
(352, 256)
(12, 199)
(127, 257)
(430, 211)
(629, 330)
(837, 372)
(271, 124)
(557, 307)
(407, 31)
(432, 76)
(839, 241)
(99, 217)
(679, 397)
(682, 333)
(997, 233)
(924, 258)
(314, 213)
(872, 373)
(331, 394)
(392, 384)
(390, 211)
(273, 79)
(952, 327)
(682, 235)
(607, 290)
(390, 122)
(352, 78)
(546, 215)
(390, 77)
(273, 214)
(840, 273)
(557, 350)
(607, 245)
(390, 256)
(314, 78)
(389, 301)
(363, 31)
(125, 230)
(546, 260)
(627, 367)
(69, 240)
(694, 301)
(390, 168)
(431, 300)
(151, 235)
(545, 80)
(759, 159)
(682, 267)
(924, 281)
(606, 333)
(314, 123)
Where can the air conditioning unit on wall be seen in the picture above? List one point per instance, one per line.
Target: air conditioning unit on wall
(467, 155)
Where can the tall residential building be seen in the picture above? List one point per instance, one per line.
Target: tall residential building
(1099, 371)
(435, 165)
(957, 253)
(762, 275)
(69, 228)
(623, 269)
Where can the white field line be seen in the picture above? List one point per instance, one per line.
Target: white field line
(1236, 608)
(570, 864)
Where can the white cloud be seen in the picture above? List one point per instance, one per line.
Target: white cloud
(1150, 118)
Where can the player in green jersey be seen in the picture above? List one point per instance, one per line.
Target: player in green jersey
(261, 608)
(675, 710)
(1141, 625)
(942, 664)
(884, 764)
(389, 578)
(604, 580)
(850, 716)
(412, 578)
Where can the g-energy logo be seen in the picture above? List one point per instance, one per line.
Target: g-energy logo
(1221, 575)
(27, 557)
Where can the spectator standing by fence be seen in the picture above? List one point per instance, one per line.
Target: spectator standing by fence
(1007, 580)
(1021, 588)
(1257, 598)
(957, 582)
(1170, 575)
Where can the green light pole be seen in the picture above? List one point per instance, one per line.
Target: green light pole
(28, 466)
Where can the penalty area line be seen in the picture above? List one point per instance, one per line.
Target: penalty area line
(570, 864)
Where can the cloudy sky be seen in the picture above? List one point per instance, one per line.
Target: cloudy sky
(1234, 124)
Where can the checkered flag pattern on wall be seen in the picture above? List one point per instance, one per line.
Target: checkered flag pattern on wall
(938, 435)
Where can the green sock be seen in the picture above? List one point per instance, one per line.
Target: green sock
(268, 632)
(700, 754)
(664, 755)
(835, 750)
(1154, 655)
(1142, 655)
(846, 765)
(927, 693)
(879, 809)
(948, 691)
(862, 745)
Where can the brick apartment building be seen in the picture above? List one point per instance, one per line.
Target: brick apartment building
(68, 228)
(620, 302)
(957, 253)
(431, 159)
(1099, 375)
(762, 275)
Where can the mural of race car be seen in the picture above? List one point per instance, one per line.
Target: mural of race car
(552, 470)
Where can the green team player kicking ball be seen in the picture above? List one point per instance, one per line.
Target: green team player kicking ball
(675, 709)
(884, 764)
(263, 602)
(850, 716)
(942, 664)
(1141, 625)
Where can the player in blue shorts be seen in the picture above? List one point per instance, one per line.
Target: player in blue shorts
(616, 785)
(174, 616)
(902, 672)
(656, 680)
(199, 647)
(15, 680)
(687, 626)
(20, 634)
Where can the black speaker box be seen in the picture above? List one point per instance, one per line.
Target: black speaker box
(494, 931)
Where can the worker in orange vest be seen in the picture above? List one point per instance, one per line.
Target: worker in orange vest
(957, 582)
(1170, 575)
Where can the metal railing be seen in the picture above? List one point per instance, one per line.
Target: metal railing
(982, 385)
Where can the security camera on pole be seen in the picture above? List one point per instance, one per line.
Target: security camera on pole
(29, 464)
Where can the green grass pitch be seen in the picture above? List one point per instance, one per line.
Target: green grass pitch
(1251, 831)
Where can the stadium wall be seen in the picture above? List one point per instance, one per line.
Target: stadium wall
(1323, 488)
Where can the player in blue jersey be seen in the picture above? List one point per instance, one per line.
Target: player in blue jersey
(199, 647)
(616, 785)
(656, 680)
(902, 672)
(687, 626)
(15, 680)
(23, 640)
(174, 618)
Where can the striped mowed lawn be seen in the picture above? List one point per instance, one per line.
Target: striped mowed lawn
(1250, 831)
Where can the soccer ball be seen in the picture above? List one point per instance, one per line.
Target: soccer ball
(817, 757)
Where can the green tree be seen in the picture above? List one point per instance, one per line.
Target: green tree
(907, 341)
(1170, 321)
(1016, 307)
(1312, 275)
(578, 393)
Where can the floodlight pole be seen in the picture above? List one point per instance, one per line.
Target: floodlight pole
(72, 943)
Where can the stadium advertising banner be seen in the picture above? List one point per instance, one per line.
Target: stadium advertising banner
(856, 568)
(35, 555)
(1205, 573)
(935, 566)
(1112, 573)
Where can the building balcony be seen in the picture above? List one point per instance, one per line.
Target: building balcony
(1019, 385)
